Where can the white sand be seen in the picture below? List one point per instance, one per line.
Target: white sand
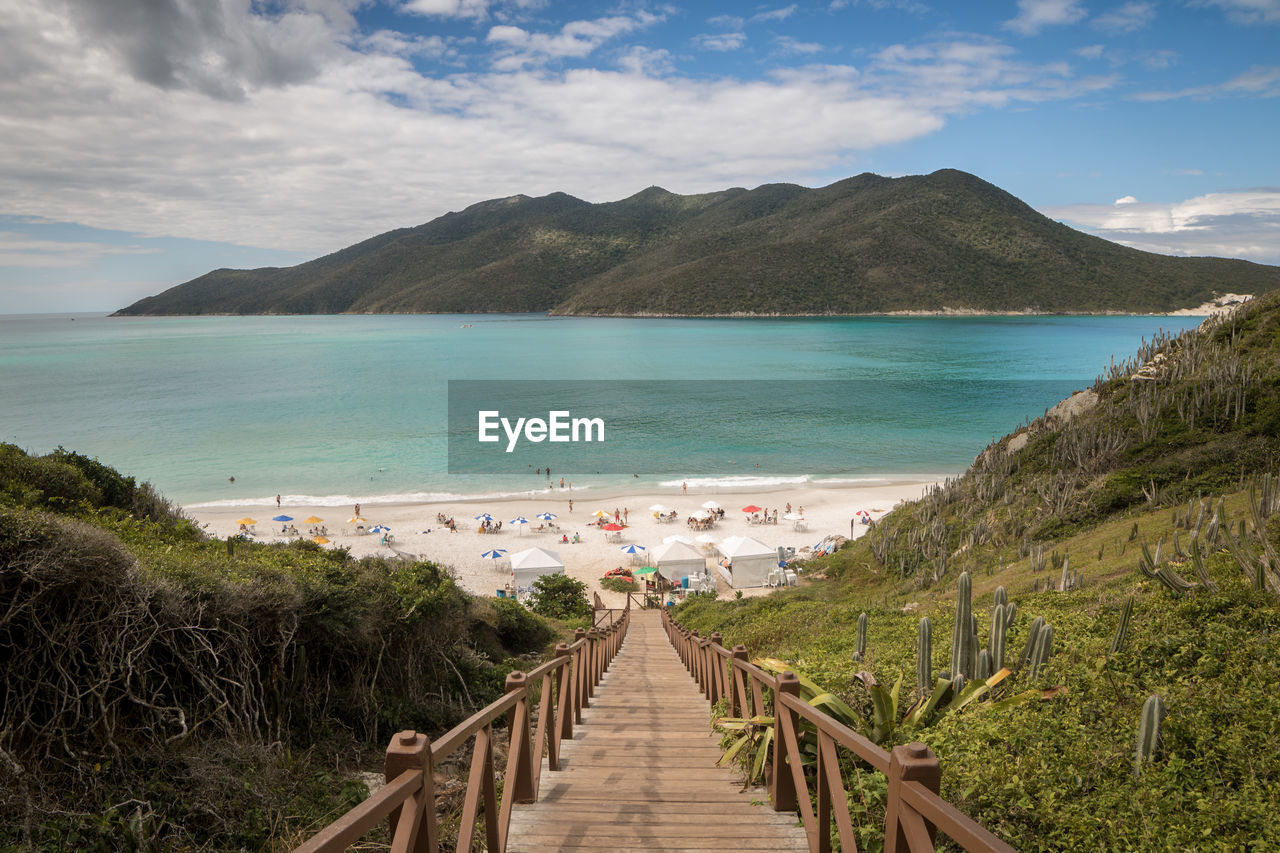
(827, 511)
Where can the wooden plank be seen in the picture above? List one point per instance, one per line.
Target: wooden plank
(640, 772)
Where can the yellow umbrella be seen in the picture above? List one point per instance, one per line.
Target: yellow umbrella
(247, 520)
(320, 540)
(356, 520)
(313, 520)
(602, 514)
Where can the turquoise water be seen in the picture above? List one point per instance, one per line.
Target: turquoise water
(354, 407)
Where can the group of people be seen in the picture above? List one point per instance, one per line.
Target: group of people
(765, 518)
(487, 526)
(446, 521)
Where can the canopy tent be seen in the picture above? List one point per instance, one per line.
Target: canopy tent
(532, 563)
(750, 561)
(675, 559)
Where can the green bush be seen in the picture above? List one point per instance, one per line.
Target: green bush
(518, 628)
(561, 597)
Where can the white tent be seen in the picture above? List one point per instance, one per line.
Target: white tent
(675, 559)
(749, 561)
(532, 563)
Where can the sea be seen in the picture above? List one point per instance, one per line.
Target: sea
(334, 410)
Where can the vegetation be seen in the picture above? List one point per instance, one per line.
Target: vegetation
(558, 596)
(1126, 545)
(160, 690)
(867, 244)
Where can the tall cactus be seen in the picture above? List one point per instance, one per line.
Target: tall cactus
(1122, 630)
(1001, 596)
(1148, 731)
(1043, 648)
(861, 653)
(996, 636)
(983, 669)
(961, 636)
(924, 657)
(1033, 633)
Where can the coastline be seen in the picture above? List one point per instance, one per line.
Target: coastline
(828, 510)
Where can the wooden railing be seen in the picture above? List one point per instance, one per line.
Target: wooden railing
(567, 683)
(914, 813)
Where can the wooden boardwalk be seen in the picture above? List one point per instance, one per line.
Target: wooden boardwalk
(640, 772)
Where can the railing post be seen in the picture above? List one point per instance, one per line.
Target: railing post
(782, 788)
(564, 693)
(717, 667)
(912, 762)
(738, 688)
(520, 768)
(580, 678)
(412, 751)
(593, 662)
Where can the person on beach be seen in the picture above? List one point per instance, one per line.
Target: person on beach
(684, 487)
(277, 501)
(617, 515)
(548, 473)
(562, 482)
(788, 507)
(570, 504)
(357, 510)
(624, 515)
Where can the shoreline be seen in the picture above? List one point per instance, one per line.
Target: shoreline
(828, 511)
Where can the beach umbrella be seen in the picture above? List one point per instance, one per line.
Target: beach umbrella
(632, 549)
(645, 570)
(700, 515)
(546, 516)
(684, 539)
(494, 554)
(320, 540)
(247, 520)
(282, 518)
(612, 528)
(601, 514)
(520, 520)
(484, 516)
(793, 516)
(752, 508)
(381, 528)
(315, 519)
(711, 505)
(356, 520)
(660, 508)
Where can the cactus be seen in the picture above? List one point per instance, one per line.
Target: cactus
(961, 636)
(984, 666)
(1148, 742)
(1043, 648)
(1033, 633)
(861, 653)
(1122, 630)
(1066, 572)
(1001, 596)
(996, 637)
(1197, 562)
(1010, 613)
(924, 657)
(1133, 532)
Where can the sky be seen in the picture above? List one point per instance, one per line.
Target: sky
(146, 142)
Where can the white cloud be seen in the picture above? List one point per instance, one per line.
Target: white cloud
(364, 142)
(787, 44)
(775, 14)
(1093, 51)
(1035, 15)
(1128, 18)
(1248, 11)
(721, 41)
(22, 250)
(476, 9)
(518, 48)
(1259, 81)
(1237, 224)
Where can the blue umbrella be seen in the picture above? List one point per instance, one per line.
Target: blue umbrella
(547, 516)
(519, 519)
(632, 549)
(381, 528)
(484, 516)
(494, 554)
(283, 518)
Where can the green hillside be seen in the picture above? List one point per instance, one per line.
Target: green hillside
(1147, 492)
(163, 691)
(867, 244)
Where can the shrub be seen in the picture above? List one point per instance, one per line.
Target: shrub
(559, 596)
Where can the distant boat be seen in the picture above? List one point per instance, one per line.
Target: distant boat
(466, 325)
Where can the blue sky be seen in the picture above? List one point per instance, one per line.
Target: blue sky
(145, 142)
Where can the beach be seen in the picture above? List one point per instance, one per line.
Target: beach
(416, 532)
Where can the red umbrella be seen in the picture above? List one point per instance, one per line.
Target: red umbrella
(612, 527)
(752, 508)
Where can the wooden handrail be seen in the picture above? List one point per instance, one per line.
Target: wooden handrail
(407, 801)
(915, 812)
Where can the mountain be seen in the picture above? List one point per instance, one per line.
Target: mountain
(867, 244)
